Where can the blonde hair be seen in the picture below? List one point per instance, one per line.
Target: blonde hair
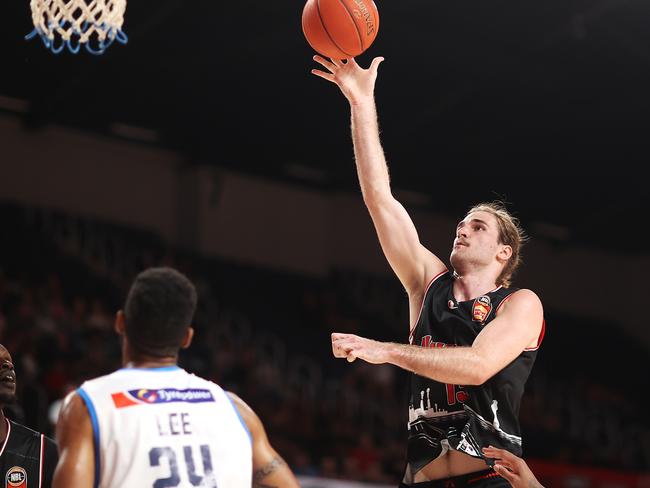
(510, 233)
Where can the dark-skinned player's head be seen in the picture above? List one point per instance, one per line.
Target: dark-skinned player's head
(158, 312)
(7, 378)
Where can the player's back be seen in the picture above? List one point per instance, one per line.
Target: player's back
(164, 427)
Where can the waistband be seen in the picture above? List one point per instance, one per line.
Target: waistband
(461, 481)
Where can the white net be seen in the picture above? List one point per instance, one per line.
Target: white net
(71, 23)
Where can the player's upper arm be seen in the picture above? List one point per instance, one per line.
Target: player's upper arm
(517, 326)
(413, 264)
(74, 433)
(269, 469)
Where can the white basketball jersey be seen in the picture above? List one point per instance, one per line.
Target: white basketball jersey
(164, 427)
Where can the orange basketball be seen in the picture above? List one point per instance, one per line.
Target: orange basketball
(340, 28)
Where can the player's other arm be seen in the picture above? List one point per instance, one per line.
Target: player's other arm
(517, 327)
(413, 264)
(74, 433)
(512, 468)
(269, 469)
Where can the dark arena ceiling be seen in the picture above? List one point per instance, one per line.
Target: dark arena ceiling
(544, 104)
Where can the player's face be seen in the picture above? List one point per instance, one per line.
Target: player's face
(477, 240)
(7, 377)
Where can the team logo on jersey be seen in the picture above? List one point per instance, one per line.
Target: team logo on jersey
(16, 477)
(481, 308)
(145, 396)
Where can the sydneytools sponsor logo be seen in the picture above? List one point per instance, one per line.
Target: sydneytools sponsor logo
(170, 395)
(364, 14)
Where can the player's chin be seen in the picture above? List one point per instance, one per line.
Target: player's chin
(8, 397)
(455, 258)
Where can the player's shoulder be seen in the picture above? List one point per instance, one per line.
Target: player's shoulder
(200, 380)
(521, 299)
(21, 432)
(101, 380)
(526, 295)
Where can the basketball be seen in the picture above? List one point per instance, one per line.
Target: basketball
(340, 29)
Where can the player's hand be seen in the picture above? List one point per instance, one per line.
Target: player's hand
(351, 347)
(356, 83)
(512, 468)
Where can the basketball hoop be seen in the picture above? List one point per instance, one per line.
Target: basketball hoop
(71, 23)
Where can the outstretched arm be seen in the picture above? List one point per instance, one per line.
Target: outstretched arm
(269, 469)
(512, 468)
(413, 264)
(516, 328)
(74, 433)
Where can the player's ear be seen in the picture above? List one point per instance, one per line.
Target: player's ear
(119, 322)
(505, 253)
(187, 338)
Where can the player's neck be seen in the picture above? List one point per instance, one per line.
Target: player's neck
(469, 286)
(134, 358)
(131, 359)
(152, 364)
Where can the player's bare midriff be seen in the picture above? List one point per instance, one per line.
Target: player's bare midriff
(452, 463)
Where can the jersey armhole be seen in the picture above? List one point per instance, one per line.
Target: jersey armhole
(241, 420)
(424, 297)
(540, 338)
(95, 423)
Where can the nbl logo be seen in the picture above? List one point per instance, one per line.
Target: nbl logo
(16, 477)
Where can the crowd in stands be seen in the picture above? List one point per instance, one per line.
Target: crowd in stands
(265, 335)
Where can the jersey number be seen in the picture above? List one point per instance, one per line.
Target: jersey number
(157, 454)
(453, 396)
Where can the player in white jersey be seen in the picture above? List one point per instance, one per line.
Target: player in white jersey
(152, 424)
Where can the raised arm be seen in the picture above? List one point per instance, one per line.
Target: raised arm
(413, 264)
(269, 469)
(74, 433)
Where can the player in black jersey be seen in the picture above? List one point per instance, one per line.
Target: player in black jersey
(472, 341)
(27, 458)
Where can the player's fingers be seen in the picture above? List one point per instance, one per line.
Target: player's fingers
(337, 346)
(339, 353)
(507, 465)
(336, 62)
(351, 357)
(324, 62)
(505, 473)
(374, 66)
(338, 337)
(322, 74)
(497, 453)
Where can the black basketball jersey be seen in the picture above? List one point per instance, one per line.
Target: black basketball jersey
(27, 458)
(464, 418)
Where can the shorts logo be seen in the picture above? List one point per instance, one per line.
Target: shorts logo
(481, 308)
(145, 396)
(16, 477)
